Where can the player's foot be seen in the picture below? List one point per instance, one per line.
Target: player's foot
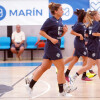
(90, 75)
(28, 79)
(72, 79)
(29, 90)
(86, 79)
(91, 71)
(64, 94)
(69, 89)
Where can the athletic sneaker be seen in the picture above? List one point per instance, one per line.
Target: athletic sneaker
(67, 78)
(64, 94)
(29, 90)
(27, 82)
(69, 89)
(72, 79)
(86, 79)
(66, 90)
(90, 75)
(91, 71)
(28, 79)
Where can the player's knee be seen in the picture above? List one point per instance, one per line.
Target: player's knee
(74, 61)
(61, 69)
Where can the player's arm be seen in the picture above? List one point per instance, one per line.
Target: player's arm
(96, 34)
(65, 29)
(43, 33)
(76, 34)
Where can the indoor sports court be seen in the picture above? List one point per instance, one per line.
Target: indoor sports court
(12, 83)
(35, 32)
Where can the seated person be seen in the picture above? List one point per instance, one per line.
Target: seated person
(18, 38)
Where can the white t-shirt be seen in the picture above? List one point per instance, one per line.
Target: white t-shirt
(18, 37)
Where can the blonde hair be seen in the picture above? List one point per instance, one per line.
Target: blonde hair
(53, 7)
(90, 16)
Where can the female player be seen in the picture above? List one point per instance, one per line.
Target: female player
(98, 53)
(93, 43)
(79, 29)
(53, 30)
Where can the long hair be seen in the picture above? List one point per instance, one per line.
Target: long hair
(90, 16)
(81, 14)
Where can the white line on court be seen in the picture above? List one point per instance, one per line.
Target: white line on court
(48, 85)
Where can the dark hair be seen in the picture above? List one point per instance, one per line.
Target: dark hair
(53, 7)
(81, 14)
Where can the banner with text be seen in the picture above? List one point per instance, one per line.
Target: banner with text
(35, 12)
(30, 12)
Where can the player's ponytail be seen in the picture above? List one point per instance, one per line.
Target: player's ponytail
(81, 14)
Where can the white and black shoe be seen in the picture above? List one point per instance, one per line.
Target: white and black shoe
(28, 79)
(64, 94)
(69, 88)
(27, 82)
(72, 79)
(29, 90)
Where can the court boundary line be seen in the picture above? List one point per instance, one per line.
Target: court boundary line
(20, 80)
(48, 85)
(24, 76)
(44, 91)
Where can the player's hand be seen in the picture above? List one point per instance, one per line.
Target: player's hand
(65, 28)
(54, 41)
(81, 37)
(86, 43)
(86, 35)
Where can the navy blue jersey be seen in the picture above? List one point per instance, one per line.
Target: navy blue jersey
(81, 29)
(98, 54)
(93, 41)
(54, 28)
(79, 45)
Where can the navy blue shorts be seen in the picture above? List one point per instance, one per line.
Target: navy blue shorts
(53, 55)
(98, 54)
(80, 52)
(17, 48)
(92, 54)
